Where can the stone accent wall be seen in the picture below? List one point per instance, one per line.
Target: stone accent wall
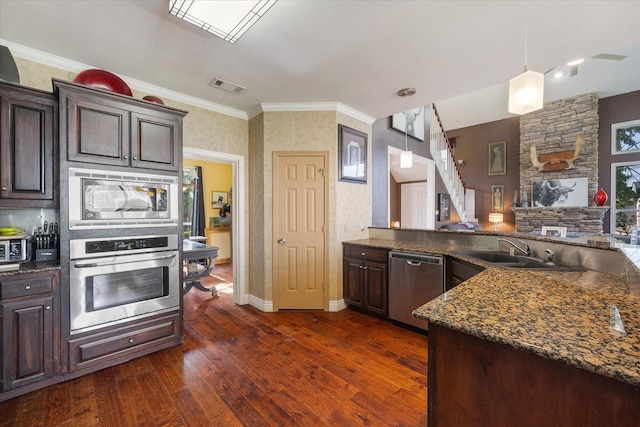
(581, 220)
(553, 129)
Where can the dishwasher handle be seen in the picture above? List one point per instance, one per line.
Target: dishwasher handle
(416, 259)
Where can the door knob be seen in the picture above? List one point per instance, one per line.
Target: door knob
(282, 240)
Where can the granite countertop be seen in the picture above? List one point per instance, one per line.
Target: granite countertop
(568, 316)
(32, 267)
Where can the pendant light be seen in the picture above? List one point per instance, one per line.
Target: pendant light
(406, 157)
(526, 91)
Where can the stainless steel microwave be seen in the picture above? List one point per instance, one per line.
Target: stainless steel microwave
(13, 250)
(100, 198)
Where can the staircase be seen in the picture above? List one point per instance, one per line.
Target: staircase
(463, 198)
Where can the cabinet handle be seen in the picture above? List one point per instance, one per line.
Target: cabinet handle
(126, 157)
(365, 268)
(135, 158)
(361, 267)
(48, 307)
(363, 253)
(131, 340)
(26, 288)
(4, 188)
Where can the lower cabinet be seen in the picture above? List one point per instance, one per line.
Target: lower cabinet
(30, 332)
(108, 347)
(365, 273)
(459, 271)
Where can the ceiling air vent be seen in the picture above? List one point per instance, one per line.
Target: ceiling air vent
(227, 86)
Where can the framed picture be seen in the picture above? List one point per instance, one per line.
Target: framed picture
(554, 231)
(352, 155)
(219, 198)
(444, 203)
(412, 121)
(497, 198)
(559, 192)
(498, 158)
(625, 137)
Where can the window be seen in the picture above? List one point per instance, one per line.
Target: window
(625, 186)
(625, 137)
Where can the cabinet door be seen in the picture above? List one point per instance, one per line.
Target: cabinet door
(353, 276)
(97, 130)
(27, 341)
(375, 284)
(155, 141)
(28, 155)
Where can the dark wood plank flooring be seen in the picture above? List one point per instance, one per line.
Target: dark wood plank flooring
(240, 366)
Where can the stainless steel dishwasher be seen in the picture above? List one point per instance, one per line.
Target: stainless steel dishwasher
(414, 279)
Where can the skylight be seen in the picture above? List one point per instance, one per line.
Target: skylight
(228, 19)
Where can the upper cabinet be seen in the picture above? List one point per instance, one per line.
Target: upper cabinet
(28, 147)
(110, 129)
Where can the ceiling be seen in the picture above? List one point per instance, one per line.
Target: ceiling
(457, 54)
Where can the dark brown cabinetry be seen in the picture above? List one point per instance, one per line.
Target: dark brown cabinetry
(110, 129)
(114, 345)
(365, 273)
(459, 271)
(28, 148)
(30, 332)
(476, 382)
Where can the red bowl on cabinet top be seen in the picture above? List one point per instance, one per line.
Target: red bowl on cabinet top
(101, 79)
(154, 99)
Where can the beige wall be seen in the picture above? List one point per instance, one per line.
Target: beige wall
(349, 204)
(256, 215)
(256, 140)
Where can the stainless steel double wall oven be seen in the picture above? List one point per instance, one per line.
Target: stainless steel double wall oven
(116, 270)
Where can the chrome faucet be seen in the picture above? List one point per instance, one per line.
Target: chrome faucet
(526, 250)
(550, 255)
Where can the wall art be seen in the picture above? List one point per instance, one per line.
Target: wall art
(412, 121)
(560, 193)
(352, 155)
(498, 158)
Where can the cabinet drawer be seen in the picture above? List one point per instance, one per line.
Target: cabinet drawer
(25, 287)
(364, 252)
(121, 342)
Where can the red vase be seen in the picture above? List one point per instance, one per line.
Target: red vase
(600, 197)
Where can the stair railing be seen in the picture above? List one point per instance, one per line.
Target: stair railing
(442, 154)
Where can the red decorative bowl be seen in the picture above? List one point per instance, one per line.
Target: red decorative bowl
(101, 79)
(154, 99)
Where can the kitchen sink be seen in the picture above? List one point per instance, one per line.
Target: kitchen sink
(505, 260)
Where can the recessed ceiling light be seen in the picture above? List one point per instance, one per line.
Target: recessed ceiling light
(576, 62)
(228, 19)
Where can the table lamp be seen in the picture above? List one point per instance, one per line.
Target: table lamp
(495, 218)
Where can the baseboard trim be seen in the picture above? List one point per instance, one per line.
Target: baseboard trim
(337, 305)
(266, 306)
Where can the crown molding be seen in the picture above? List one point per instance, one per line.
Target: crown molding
(76, 67)
(316, 106)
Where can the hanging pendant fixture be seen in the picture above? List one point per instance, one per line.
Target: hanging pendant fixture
(526, 90)
(406, 157)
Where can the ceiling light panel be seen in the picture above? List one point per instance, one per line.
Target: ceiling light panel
(228, 20)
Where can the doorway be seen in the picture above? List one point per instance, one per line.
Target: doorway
(299, 224)
(423, 171)
(238, 208)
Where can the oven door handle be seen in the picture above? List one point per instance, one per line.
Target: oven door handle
(103, 264)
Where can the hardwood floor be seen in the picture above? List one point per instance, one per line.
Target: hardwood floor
(240, 366)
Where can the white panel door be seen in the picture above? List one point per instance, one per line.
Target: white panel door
(414, 206)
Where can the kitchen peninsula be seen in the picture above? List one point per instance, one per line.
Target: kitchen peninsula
(530, 347)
